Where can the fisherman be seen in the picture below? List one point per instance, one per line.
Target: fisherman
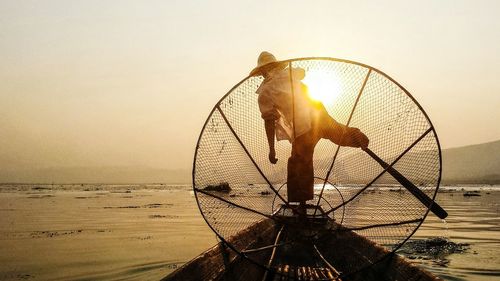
(294, 116)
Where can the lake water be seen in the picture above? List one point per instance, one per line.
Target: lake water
(130, 232)
(474, 220)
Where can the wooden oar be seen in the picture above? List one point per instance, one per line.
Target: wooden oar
(421, 196)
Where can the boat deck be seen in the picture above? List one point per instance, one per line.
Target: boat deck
(275, 249)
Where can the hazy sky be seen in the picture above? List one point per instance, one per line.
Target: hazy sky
(131, 82)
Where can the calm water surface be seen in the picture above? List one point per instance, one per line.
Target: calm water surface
(145, 232)
(474, 220)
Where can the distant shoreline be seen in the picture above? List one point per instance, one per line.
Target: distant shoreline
(91, 183)
(184, 183)
(477, 164)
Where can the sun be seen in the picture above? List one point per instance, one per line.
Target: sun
(323, 86)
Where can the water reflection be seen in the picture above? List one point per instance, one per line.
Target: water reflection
(472, 220)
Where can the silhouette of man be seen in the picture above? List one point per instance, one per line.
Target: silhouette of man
(299, 120)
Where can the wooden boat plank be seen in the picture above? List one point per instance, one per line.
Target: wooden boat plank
(210, 264)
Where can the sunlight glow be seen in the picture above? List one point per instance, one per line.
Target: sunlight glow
(323, 86)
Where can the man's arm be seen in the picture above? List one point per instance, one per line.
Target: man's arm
(270, 115)
(270, 132)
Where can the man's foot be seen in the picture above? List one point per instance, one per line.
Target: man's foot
(302, 209)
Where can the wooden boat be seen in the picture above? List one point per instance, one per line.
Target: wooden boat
(298, 253)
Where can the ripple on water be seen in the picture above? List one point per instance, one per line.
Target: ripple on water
(140, 271)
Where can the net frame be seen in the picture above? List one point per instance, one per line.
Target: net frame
(370, 69)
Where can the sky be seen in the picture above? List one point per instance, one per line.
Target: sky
(125, 83)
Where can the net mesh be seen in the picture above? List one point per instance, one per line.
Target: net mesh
(233, 152)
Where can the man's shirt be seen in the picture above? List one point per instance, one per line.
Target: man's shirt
(275, 103)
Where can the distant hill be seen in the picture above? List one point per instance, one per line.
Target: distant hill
(478, 163)
(473, 164)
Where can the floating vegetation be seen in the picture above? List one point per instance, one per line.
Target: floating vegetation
(40, 234)
(40, 196)
(154, 205)
(436, 249)
(472, 193)
(163, 217)
(222, 187)
(40, 188)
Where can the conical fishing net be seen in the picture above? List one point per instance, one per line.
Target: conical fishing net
(236, 185)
